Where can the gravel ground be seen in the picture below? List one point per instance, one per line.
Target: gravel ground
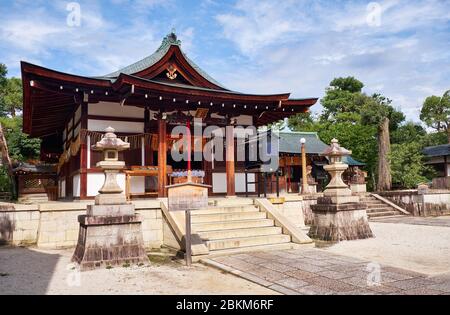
(420, 248)
(32, 271)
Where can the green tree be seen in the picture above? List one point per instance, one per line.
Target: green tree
(11, 98)
(409, 132)
(408, 168)
(342, 96)
(3, 73)
(305, 122)
(435, 113)
(21, 147)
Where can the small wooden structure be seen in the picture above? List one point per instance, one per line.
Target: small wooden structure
(187, 197)
(36, 180)
(438, 157)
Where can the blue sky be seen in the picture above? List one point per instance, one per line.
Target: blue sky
(399, 48)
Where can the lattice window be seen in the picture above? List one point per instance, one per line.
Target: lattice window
(38, 182)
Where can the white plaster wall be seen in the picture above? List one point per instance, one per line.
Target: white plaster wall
(220, 182)
(62, 188)
(115, 110)
(76, 185)
(95, 182)
(137, 184)
(120, 126)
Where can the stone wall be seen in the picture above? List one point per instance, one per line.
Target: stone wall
(298, 209)
(19, 226)
(55, 225)
(433, 203)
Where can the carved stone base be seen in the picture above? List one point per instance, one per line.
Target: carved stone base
(110, 199)
(108, 241)
(358, 188)
(340, 222)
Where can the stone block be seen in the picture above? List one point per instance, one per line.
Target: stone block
(110, 210)
(108, 240)
(110, 199)
(340, 225)
(71, 235)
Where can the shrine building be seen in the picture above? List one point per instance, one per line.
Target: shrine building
(143, 102)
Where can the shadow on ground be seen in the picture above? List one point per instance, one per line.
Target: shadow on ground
(25, 271)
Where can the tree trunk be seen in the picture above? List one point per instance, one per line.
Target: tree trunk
(384, 149)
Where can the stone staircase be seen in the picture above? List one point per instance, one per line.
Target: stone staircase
(238, 227)
(33, 198)
(379, 209)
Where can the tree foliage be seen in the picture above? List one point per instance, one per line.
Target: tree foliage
(435, 113)
(355, 119)
(408, 169)
(21, 147)
(11, 97)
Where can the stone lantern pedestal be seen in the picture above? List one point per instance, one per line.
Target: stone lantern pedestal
(339, 215)
(110, 232)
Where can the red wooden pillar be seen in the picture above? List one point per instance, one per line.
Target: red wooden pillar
(230, 167)
(83, 151)
(162, 158)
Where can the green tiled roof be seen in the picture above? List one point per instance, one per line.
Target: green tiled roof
(149, 61)
(351, 161)
(289, 142)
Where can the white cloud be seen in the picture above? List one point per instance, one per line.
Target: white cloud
(410, 48)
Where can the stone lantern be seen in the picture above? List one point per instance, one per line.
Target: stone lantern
(339, 215)
(110, 193)
(110, 232)
(337, 189)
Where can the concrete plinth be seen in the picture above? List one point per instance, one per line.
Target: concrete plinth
(114, 238)
(340, 222)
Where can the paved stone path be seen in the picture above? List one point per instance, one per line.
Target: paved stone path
(429, 221)
(315, 271)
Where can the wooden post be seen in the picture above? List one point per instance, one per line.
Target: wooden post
(188, 238)
(162, 158)
(230, 168)
(148, 150)
(83, 151)
(305, 187)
